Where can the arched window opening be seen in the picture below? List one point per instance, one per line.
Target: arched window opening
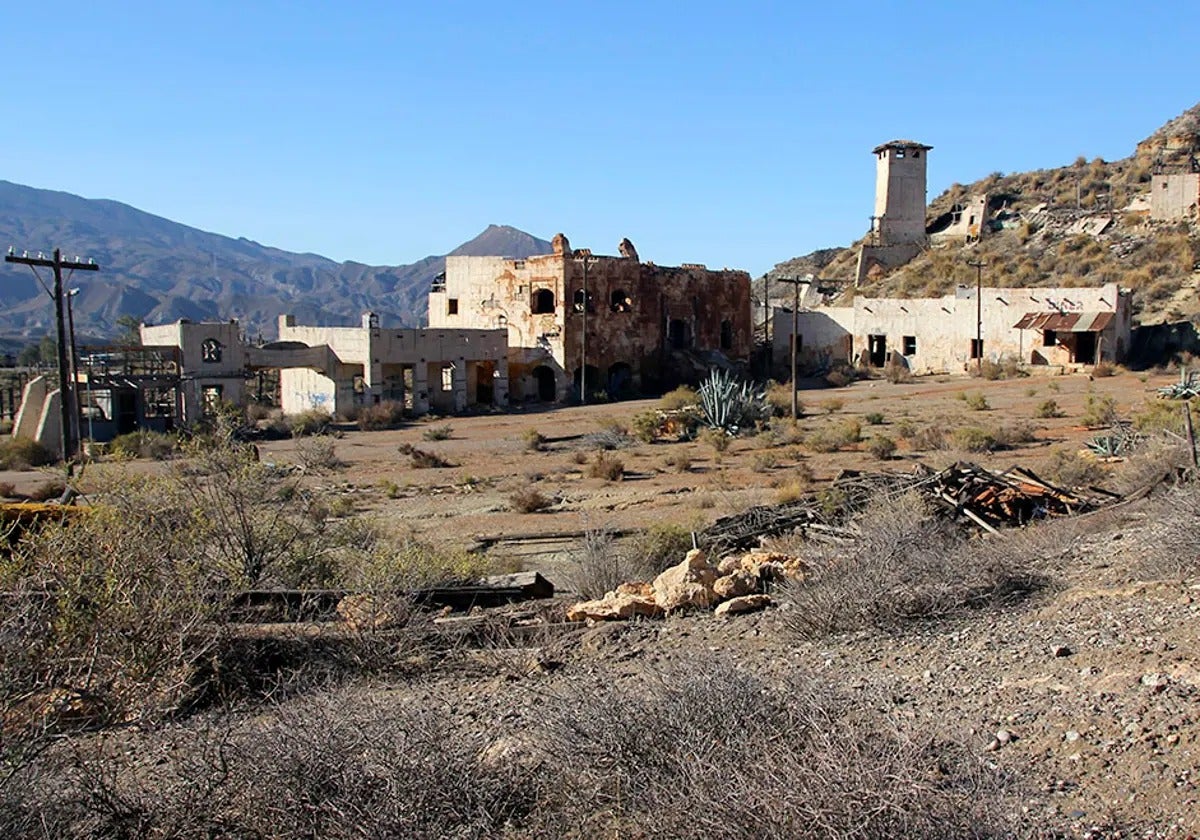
(579, 298)
(543, 302)
(620, 301)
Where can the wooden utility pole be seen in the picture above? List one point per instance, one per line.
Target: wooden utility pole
(978, 266)
(795, 281)
(586, 259)
(66, 389)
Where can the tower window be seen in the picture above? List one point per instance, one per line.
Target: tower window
(452, 306)
(899, 153)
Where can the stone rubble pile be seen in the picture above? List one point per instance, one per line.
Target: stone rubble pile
(736, 584)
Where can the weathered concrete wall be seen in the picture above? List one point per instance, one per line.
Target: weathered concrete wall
(900, 192)
(826, 337)
(637, 314)
(965, 223)
(940, 331)
(1174, 195)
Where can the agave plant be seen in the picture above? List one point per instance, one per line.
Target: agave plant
(1187, 387)
(730, 404)
(1119, 441)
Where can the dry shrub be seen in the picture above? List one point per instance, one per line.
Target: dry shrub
(718, 439)
(609, 757)
(680, 398)
(1047, 409)
(317, 453)
(48, 490)
(1072, 468)
(679, 460)
(779, 398)
(1099, 412)
(595, 566)
(768, 760)
(1170, 546)
(881, 447)
(613, 437)
(315, 421)
(155, 446)
(383, 415)
(529, 499)
(649, 552)
(832, 405)
(906, 566)
(7, 490)
(976, 401)
(1103, 369)
(422, 459)
(324, 765)
(606, 466)
(1160, 458)
(874, 418)
(842, 375)
(23, 454)
(534, 440)
(897, 374)
(973, 439)
(442, 432)
(1008, 435)
(764, 462)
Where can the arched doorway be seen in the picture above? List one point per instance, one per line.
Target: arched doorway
(543, 377)
(620, 380)
(594, 381)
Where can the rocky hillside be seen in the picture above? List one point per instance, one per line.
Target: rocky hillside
(1075, 225)
(159, 271)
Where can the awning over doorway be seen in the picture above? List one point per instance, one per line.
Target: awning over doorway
(1065, 321)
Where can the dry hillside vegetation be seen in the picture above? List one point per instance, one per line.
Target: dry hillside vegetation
(1036, 246)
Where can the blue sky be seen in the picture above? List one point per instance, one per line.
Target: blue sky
(733, 134)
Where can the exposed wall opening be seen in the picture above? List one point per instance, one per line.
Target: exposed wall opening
(1085, 348)
(210, 351)
(679, 334)
(910, 345)
(976, 348)
(620, 380)
(619, 301)
(876, 350)
(578, 302)
(447, 377)
(543, 378)
(485, 387)
(727, 334)
(543, 302)
(1049, 338)
(452, 306)
(210, 399)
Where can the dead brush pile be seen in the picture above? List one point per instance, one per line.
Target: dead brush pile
(906, 565)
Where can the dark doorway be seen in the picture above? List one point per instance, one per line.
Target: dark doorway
(127, 420)
(594, 382)
(1085, 348)
(543, 302)
(679, 334)
(543, 376)
(727, 335)
(620, 380)
(485, 386)
(877, 350)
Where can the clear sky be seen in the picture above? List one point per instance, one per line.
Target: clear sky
(733, 134)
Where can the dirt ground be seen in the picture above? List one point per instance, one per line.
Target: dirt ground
(1096, 680)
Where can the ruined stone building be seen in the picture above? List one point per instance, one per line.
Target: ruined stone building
(898, 225)
(1062, 327)
(446, 370)
(185, 370)
(620, 324)
(1175, 194)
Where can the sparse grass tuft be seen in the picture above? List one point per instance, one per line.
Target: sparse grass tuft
(442, 432)
(1047, 409)
(606, 466)
(528, 499)
(422, 459)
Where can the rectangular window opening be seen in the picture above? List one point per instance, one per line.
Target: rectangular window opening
(452, 306)
(1049, 338)
(910, 345)
(976, 348)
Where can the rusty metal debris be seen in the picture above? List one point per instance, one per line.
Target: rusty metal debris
(975, 496)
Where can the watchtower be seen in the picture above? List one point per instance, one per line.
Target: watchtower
(899, 193)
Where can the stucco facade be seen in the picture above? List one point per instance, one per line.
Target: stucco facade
(447, 370)
(1174, 195)
(211, 360)
(626, 331)
(898, 224)
(1065, 327)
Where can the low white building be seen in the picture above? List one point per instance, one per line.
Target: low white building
(1069, 327)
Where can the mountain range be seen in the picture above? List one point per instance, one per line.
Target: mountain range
(159, 271)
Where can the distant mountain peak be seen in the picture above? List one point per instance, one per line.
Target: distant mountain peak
(159, 270)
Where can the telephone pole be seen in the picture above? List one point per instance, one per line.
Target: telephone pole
(978, 266)
(66, 390)
(586, 259)
(795, 281)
